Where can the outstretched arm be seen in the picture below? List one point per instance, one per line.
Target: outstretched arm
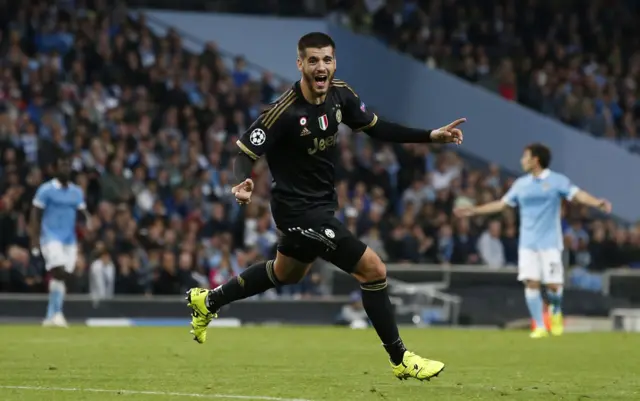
(509, 199)
(585, 198)
(487, 208)
(392, 132)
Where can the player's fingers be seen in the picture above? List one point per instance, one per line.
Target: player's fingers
(248, 184)
(456, 123)
(456, 135)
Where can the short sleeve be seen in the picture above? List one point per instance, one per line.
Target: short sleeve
(82, 205)
(266, 130)
(566, 188)
(511, 197)
(354, 112)
(41, 196)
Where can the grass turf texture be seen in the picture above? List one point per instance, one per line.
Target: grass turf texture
(331, 364)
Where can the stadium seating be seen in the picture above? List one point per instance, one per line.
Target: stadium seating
(152, 129)
(568, 61)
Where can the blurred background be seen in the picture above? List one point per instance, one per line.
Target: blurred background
(149, 98)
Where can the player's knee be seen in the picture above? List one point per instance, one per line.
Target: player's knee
(289, 278)
(58, 273)
(553, 287)
(370, 268)
(531, 284)
(289, 271)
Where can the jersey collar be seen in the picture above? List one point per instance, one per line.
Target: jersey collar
(57, 184)
(544, 174)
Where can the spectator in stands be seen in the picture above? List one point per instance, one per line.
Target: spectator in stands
(573, 62)
(102, 275)
(490, 246)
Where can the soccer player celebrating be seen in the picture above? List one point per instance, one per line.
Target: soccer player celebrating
(539, 196)
(53, 232)
(299, 136)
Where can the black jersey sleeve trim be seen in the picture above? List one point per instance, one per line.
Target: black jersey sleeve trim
(373, 122)
(246, 150)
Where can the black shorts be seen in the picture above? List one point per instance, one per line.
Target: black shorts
(325, 238)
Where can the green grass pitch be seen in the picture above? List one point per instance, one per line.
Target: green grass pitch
(304, 363)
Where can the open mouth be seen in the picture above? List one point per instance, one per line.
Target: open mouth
(321, 80)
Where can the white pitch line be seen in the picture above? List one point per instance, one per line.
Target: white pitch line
(159, 393)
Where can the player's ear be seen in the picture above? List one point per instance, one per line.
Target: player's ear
(299, 63)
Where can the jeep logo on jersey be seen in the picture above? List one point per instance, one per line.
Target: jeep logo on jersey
(323, 143)
(324, 122)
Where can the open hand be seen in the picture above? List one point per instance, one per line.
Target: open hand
(449, 133)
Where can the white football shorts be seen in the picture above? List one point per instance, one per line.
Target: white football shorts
(57, 254)
(544, 265)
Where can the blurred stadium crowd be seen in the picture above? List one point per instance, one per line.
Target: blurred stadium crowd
(572, 60)
(152, 130)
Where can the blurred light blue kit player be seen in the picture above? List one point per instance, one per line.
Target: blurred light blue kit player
(539, 196)
(53, 234)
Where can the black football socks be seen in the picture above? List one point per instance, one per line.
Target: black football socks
(256, 279)
(375, 299)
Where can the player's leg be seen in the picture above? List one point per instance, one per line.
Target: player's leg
(553, 279)
(291, 264)
(69, 260)
(354, 257)
(53, 255)
(529, 272)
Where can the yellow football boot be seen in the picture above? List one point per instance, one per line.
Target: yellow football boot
(201, 316)
(557, 323)
(417, 367)
(539, 332)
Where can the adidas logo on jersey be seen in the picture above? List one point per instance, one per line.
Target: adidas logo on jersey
(305, 132)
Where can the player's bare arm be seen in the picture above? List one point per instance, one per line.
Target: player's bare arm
(242, 168)
(587, 199)
(87, 217)
(35, 220)
(487, 208)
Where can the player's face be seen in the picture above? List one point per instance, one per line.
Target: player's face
(527, 161)
(64, 170)
(317, 66)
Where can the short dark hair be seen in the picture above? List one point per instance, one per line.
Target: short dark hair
(316, 40)
(541, 152)
(62, 157)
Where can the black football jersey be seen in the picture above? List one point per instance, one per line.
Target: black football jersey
(300, 142)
